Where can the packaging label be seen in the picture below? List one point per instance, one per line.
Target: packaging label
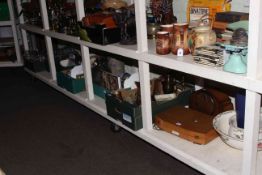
(127, 118)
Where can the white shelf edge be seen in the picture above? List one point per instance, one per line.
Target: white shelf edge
(184, 151)
(10, 64)
(185, 64)
(256, 85)
(124, 50)
(64, 37)
(6, 23)
(118, 49)
(32, 28)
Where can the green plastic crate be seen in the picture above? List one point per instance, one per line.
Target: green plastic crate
(69, 83)
(4, 11)
(100, 91)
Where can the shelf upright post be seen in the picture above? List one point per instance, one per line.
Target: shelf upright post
(48, 40)
(252, 110)
(141, 31)
(144, 73)
(80, 11)
(12, 18)
(22, 21)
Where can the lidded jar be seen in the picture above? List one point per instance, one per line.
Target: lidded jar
(201, 36)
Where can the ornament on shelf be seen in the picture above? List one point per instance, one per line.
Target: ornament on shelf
(162, 10)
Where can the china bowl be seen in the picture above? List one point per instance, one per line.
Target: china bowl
(225, 124)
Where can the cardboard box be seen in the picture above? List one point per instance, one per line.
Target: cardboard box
(131, 115)
(101, 35)
(71, 84)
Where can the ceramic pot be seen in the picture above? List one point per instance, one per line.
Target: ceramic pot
(180, 38)
(201, 36)
(170, 29)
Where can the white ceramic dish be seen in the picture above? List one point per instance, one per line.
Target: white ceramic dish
(225, 125)
(67, 63)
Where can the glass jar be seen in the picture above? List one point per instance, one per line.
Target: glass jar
(170, 29)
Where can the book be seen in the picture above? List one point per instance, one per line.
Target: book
(231, 16)
(218, 25)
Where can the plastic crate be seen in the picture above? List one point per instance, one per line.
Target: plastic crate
(4, 11)
(71, 84)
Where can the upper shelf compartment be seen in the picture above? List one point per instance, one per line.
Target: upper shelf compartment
(145, 50)
(187, 65)
(31, 13)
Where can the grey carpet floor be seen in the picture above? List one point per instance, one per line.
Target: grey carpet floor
(42, 132)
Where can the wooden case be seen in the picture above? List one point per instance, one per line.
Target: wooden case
(187, 123)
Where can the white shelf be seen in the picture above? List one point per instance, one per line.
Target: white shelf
(6, 23)
(183, 64)
(209, 159)
(12, 22)
(187, 65)
(214, 158)
(124, 50)
(97, 104)
(194, 155)
(10, 64)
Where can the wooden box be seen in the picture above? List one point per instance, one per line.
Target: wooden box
(187, 123)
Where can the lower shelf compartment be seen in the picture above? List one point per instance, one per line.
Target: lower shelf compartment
(213, 158)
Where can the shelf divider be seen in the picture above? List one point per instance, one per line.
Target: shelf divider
(252, 109)
(144, 76)
(87, 72)
(12, 19)
(141, 31)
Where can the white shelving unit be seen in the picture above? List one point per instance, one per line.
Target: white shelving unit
(215, 157)
(13, 24)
